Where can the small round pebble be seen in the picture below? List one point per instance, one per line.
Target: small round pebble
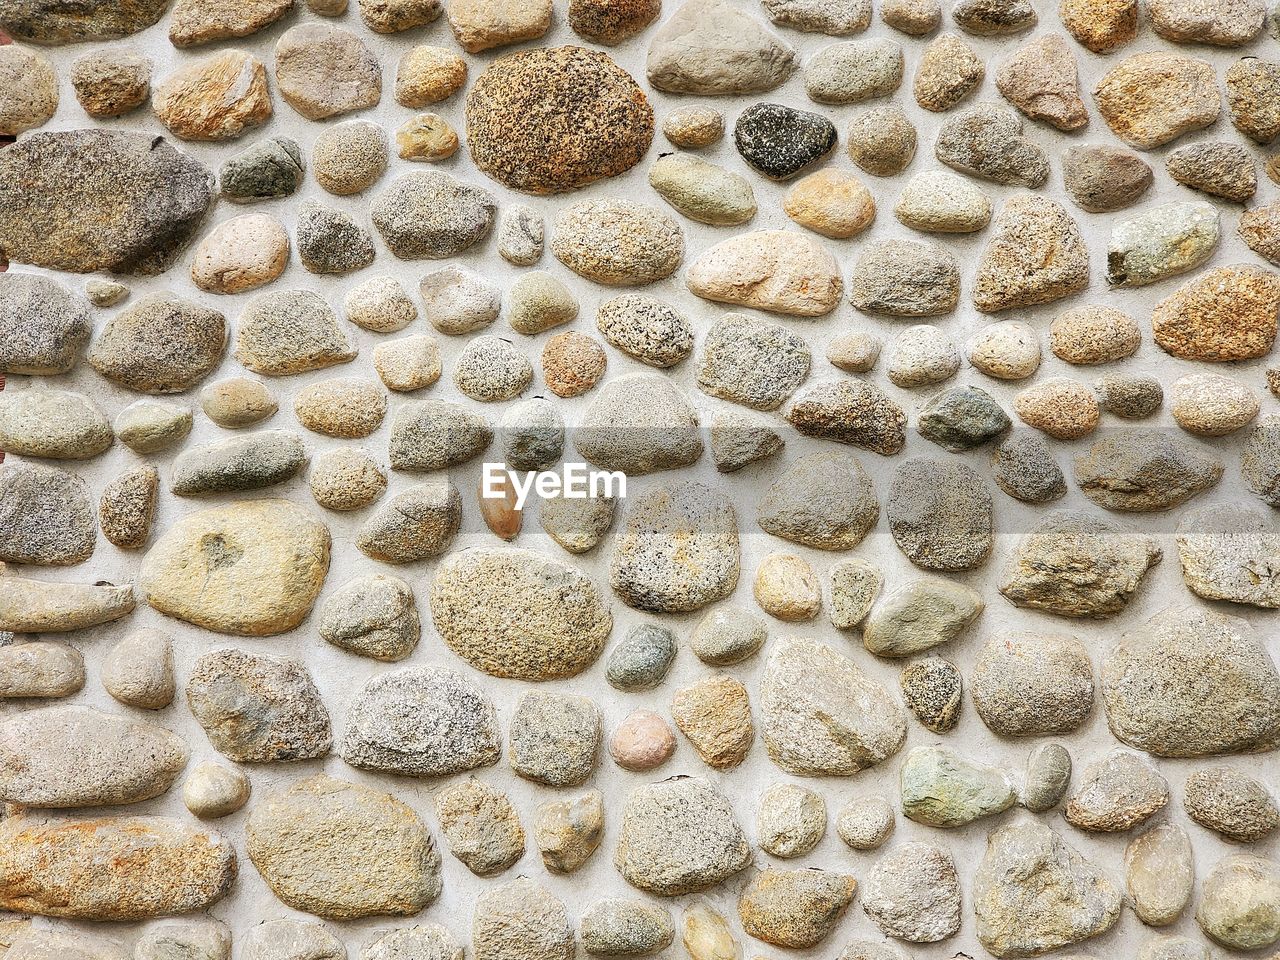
(693, 127)
(785, 587)
(1048, 776)
(349, 157)
(1093, 334)
(105, 293)
(148, 426)
(1008, 350)
(1132, 396)
(912, 17)
(1063, 408)
(865, 823)
(645, 328)
(521, 235)
(491, 370)
(213, 791)
(619, 928)
(537, 301)
(411, 363)
(427, 137)
(854, 352)
(241, 254)
(882, 141)
(1023, 467)
(938, 201)
(379, 304)
(642, 742)
(1211, 405)
(427, 75)
(641, 660)
(922, 355)
(830, 202)
(237, 402)
(791, 820)
(346, 479)
(1102, 178)
(458, 300)
(572, 363)
(932, 690)
(727, 635)
(345, 407)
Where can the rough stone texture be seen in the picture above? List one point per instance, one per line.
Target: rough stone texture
(1161, 242)
(618, 243)
(481, 826)
(1035, 255)
(521, 920)
(1101, 178)
(40, 668)
(913, 894)
(824, 500)
(1041, 80)
(713, 47)
(1149, 99)
(1026, 684)
(714, 714)
(850, 411)
(49, 22)
(288, 332)
(1228, 313)
(987, 141)
(1141, 471)
(220, 97)
(920, 615)
(940, 515)
(794, 908)
(1231, 803)
(905, 278)
(1116, 794)
(323, 71)
(432, 216)
(46, 516)
(1238, 902)
(778, 270)
(940, 788)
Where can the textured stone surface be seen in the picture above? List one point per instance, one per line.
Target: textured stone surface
(46, 516)
(713, 47)
(1149, 99)
(913, 894)
(1026, 684)
(779, 270)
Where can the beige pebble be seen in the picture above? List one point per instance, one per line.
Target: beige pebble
(240, 254)
(1063, 408)
(572, 363)
(237, 402)
(1093, 334)
(411, 363)
(831, 202)
(1211, 405)
(1008, 350)
(693, 127)
(786, 588)
(427, 75)
(427, 137)
(855, 352)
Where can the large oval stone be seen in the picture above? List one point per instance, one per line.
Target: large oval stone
(594, 121)
(55, 22)
(159, 867)
(252, 569)
(519, 614)
(125, 202)
(343, 851)
(80, 757)
(1191, 682)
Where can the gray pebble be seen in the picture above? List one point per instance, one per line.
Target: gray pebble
(373, 616)
(555, 739)
(640, 661)
(727, 635)
(1023, 467)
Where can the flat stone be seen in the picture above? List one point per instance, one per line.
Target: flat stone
(55, 424)
(1230, 803)
(940, 202)
(72, 756)
(993, 18)
(933, 690)
(882, 140)
(323, 71)
(575, 89)
(292, 939)
(1149, 99)
(48, 23)
(752, 362)
(1224, 170)
(127, 203)
(429, 435)
(780, 141)
(432, 216)
(1260, 460)
(1223, 23)
(919, 615)
(568, 832)
(128, 506)
(40, 668)
(258, 709)
(947, 73)
(830, 202)
(162, 344)
(778, 270)
(1041, 79)
(940, 788)
(478, 26)
(290, 331)
(46, 516)
(372, 616)
(1159, 675)
(939, 513)
(833, 17)
(54, 868)
(1035, 255)
(219, 97)
(480, 825)
(266, 170)
(611, 22)
(555, 738)
(241, 254)
(1225, 314)
(1159, 873)
(1047, 779)
(37, 606)
(1116, 794)
(252, 568)
(1033, 893)
(330, 241)
(343, 851)
(962, 418)
(521, 920)
(111, 83)
(396, 16)
(1102, 178)
(738, 441)
(1143, 471)
(616, 927)
(237, 402)
(711, 47)
(1163, 241)
(852, 411)
(43, 326)
(913, 894)
(32, 944)
(1064, 408)
(639, 423)
(194, 22)
(1006, 350)
(1093, 334)
(416, 524)
(1239, 900)
(702, 191)
(865, 823)
(1024, 468)
(920, 356)
(1211, 405)
(346, 479)
(1228, 552)
(618, 243)
(1032, 684)
(794, 908)
(213, 791)
(986, 141)
(1102, 26)
(905, 278)
(1252, 87)
(1078, 565)
(854, 71)
(677, 550)
(248, 462)
(820, 715)
(679, 836)
(913, 17)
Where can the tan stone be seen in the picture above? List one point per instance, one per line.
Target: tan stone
(1100, 25)
(253, 568)
(778, 270)
(218, 98)
(1149, 99)
(426, 137)
(411, 363)
(1159, 874)
(1225, 314)
(36, 606)
(240, 254)
(323, 71)
(1063, 408)
(831, 202)
(203, 21)
(28, 90)
(786, 587)
(1041, 80)
(715, 715)
(427, 75)
(483, 24)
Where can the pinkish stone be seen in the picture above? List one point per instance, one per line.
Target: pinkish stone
(642, 742)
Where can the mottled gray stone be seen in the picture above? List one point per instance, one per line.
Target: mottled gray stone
(1144, 470)
(429, 435)
(555, 738)
(913, 893)
(521, 920)
(43, 325)
(962, 418)
(855, 585)
(290, 331)
(780, 141)
(1230, 552)
(753, 362)
(432, 216)
(905, 278)
(1230, 803)
(852, 411)
(373, 616)
(416, 524)
(712, 47)
(738, 441)
(639, 423)
(291, 940)
(46, 516)
(933, 690)
(640, 661)
(1047, 779)
(790, 821)
(480, 825)
(1032, 684)
(727, 635)
(854, 71)
(330, 241)
(267, 170)
(824, 500)
(986, 141)
(645, 328)
(1023, 466)
(1161, 242)
(940, 514)
(57, 424)
(616, 927)
(1260, 460)
(1117, 793)
(248, 462)
(940, 788)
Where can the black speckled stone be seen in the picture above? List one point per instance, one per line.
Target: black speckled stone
(779, 141)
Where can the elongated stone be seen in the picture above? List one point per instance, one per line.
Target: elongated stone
(38, 606)
(942, 789)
